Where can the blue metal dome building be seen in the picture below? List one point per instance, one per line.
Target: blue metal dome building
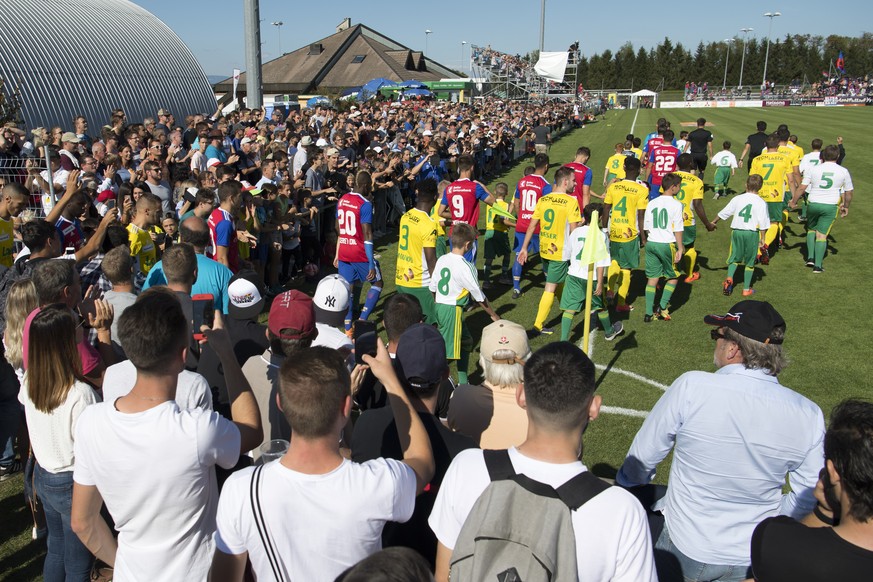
(72, 57)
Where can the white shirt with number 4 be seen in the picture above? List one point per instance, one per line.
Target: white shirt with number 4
(826, 182)
(455, 278)
(663, 218)
(749, 211)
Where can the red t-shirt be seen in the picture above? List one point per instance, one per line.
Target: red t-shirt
(352, 212)
(663, 159)
(528, 191)
(462, 198)
(583, 178)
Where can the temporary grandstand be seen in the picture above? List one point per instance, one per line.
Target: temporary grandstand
(512, 77)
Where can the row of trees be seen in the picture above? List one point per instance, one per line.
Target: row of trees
(791, 59)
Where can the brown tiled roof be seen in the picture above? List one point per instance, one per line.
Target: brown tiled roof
(332, 69)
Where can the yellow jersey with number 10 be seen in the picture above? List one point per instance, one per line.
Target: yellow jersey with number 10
(773, 167)
(691, 190)
(555, 212)
(417, 232)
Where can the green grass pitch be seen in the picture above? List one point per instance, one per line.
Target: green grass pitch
(828, 316)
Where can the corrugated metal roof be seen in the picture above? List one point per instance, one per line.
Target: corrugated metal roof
(88, 57)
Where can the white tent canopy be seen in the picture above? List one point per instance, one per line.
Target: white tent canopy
(634, 98)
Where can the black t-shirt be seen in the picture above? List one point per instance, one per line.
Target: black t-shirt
(249, 339)
(784, 550)
(375, 436)
(541, 134)
(756, 143)
(698, 140)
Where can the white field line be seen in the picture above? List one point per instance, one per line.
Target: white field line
(624, 411)
(634, 124)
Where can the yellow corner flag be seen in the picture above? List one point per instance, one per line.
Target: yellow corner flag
(593, 251)
(502, 213)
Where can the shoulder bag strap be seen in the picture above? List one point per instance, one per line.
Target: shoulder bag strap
(255, 499)
(499, 464)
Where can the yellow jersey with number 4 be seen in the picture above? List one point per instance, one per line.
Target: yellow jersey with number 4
(627, 198)
(418, 231)
(691, 190)
(773, 167)
(555, 212)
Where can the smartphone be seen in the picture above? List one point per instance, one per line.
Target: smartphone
(365, 339)
(110, 204)
(204, 313)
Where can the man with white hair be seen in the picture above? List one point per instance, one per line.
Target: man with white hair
(489, 413)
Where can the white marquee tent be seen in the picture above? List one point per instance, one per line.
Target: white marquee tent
(635, 98)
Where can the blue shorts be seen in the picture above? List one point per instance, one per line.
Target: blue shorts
(654, 191)
(533, 247)
(469, 255)
(353, 272)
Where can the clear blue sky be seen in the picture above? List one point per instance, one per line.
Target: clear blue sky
(214, 30)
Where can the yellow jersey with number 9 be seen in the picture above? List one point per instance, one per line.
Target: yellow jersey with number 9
(555, 212)
(417, 232)
(773, 167)
(691, 190)
(627, 198)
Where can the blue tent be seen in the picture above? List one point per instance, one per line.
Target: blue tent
(413, 84)
(350, 91)
(417, 93)
(318, 100)
(370, 88)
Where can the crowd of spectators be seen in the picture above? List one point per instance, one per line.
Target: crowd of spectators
(514, 66)
(843, 85)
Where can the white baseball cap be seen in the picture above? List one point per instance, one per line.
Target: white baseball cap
(331, 300)
(245, 296)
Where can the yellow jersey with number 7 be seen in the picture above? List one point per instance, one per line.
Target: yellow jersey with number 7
(773, 167)
(555, 212)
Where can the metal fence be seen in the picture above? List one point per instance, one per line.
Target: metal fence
(14, 169)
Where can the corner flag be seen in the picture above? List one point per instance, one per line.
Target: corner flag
(595, 247)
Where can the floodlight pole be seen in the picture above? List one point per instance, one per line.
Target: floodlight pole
(278, 26)
(426, 35)
(252, 27)
(727, 57)
(771, 16)
(542, 24)
(461, 67)
(743, 61)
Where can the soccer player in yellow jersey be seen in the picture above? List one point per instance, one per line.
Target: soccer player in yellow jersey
(442, 242)
(416, 249)
(13, 200)
(142, 247)
(795, 154)
(690, 194)
(557, 214)
(614, 166)
(773, 167)
(497, 237)
(623, 208)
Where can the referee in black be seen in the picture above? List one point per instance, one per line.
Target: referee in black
(754, 145)
(701, 146)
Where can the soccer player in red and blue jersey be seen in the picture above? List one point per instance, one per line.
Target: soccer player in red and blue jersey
(354, 249)
(583, 176)
(222, 226)
(460, 201)
(527, 193)
(662, 161)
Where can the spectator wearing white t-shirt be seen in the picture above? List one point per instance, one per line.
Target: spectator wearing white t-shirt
(151, 462)
(320, 512)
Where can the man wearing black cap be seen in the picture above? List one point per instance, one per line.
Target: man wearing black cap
(421, 367)
(736, 433)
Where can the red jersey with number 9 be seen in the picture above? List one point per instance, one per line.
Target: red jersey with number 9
(529, 190)
(352, 212)
(663, 160)
(462, 199)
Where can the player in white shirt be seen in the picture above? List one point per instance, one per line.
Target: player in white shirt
(454, 281)
(830, 190)
(664, 225)
(726, 166)
(576, 285)
(807, 162)
(750, 222)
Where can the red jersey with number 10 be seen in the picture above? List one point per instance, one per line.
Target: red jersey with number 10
(529, 190)
(663, 160)
(352, 212)
(462, 199)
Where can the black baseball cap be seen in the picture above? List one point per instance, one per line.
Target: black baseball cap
(421, 356)
(753, 319)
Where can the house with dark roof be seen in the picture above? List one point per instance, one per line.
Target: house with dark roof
(348, 58)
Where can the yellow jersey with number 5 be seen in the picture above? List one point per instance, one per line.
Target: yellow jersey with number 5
(627, 198)
(555, 212)
(418, 231)
(691, 190)
(773, 167)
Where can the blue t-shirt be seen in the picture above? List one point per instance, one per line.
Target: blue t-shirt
(214, 152)
(213, 279)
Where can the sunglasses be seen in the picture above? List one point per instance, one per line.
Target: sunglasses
(716, 334)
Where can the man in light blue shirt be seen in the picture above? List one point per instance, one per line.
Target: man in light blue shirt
(735, 435)
(213, 278)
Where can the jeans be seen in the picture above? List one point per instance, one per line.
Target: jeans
(674, 566)
(67, 559)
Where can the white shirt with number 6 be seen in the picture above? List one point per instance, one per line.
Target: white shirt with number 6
(663, 218)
